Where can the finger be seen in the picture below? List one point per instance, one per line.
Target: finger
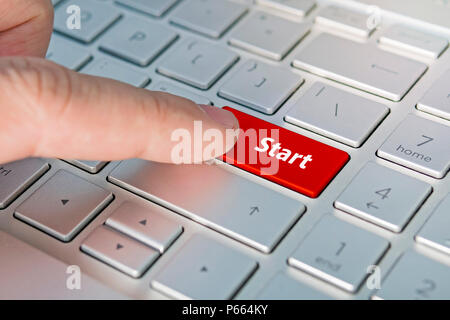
(25, 27)
(49, 111)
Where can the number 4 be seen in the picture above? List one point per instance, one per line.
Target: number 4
(384, 192)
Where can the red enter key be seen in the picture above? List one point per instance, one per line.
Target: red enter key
(285, 157)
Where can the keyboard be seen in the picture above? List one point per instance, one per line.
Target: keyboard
(363, 89)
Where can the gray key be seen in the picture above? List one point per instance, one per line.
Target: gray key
(260, 86)
(337, 114)
(404, 38)
(199, 64)
(416, 277)
(67, 53)
(63, 205)
(28, 273)
(296, 7)
(437, 99)
(383, 196)
(172, 89)
(89, 166)
(96, 17)
(203, 264)
(55, 2)
(137, 40)
(346, 20)
(339, 253)
(145, 225)
(209, 17)
(282, 287)
(107, 68)
(419, 144)
(268, 35)
(370, 69)
(435, 233)
(154, 7)
(215, 197)
(119, 251)
(16, 177)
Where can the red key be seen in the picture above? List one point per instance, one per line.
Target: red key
(285, 157)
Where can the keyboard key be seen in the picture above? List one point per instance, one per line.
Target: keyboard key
(137, 40)
(89, 166)
(119, 251)
(419, 144)
(339, 253)
(215, 197)
(284, 157)
(370, 69)
(437, 99)
(416, 277)
(345, 20)
(29, 273)
(435, 232)
(55, 2)
(67, 54)
(145, 225)
(337, 114)
(268, 35)
(170, 88)
(260, 86)
(208, 17)
(96, 17)
(383, 196)
(16, 177)
(203, 264)
(154, 7)
(197, 63)
(296, 7)
(282, 287)
(63, 205)
(404, 38)
(107, 68)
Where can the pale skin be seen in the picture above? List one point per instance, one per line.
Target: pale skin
(49, 111)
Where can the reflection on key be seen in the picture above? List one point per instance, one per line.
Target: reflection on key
(419, 144)
(203, 264)
(404, 38)
(67, 54)
(260, 86)
(437, 99)
(268, 35)
(197, 63)
(16, 177)
(215, 197)
(346, 20)
(154, 7)
(87, 165)
(209, 17)
(178, 91)
(107, 68)
(360, 65)
(96, 17)
(137, 40)
(435, 232)
(339, 253)
(416, 277)
(296, 7)
(119, 251)
(63, 205)
(337, 114)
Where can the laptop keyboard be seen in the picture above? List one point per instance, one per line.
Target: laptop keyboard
(378, 95)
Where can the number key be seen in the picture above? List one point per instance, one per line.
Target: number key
(383, 196)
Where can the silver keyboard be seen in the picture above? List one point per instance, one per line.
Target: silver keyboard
(138, 229)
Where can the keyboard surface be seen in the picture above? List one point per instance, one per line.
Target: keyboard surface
(375, 98)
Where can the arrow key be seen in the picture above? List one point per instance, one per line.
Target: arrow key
(383, 196)
(119, 251)
(147, 225)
